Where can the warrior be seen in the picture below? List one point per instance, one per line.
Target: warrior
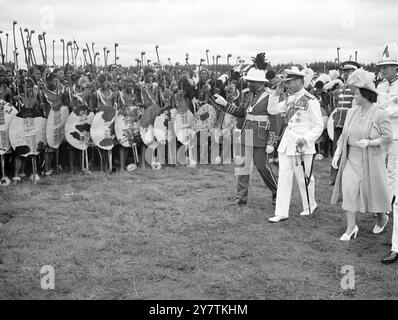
(126, 99)
(28, 99)
(52, 98)
(5, 91)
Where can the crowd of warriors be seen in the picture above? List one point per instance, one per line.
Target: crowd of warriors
(41, 88)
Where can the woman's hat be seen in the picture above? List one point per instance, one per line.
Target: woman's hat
(361, 78)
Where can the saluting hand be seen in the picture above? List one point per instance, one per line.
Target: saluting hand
(269, 149)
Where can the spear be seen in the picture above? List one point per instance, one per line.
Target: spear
(77, 48)
(200, 63)
(157, 53)
(85, 55)
(53, 53)
(338, 55)
(1, 48)
(142, 57)
(213, 62)
(207, 56)
(89, 53)
(105, 56)
(63, 52)
(67, 51)
(40, 37)
(45, 45)
(116, 45)
(148, 62)
(95, 57)
(92, 47)
(356, 56)
(25, 48)
(15, 41)
(228, 56)
(218, 56)
(186, 59)
(237, 58)
(7, 47)
(169, 61)
(33, 51)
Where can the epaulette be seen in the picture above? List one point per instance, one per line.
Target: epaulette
(309, 95)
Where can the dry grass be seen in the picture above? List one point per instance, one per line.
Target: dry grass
(171, 234)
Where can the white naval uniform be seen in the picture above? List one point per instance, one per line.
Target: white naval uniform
(306, 123)
(388, 98)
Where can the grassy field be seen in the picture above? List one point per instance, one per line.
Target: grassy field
(171, 234)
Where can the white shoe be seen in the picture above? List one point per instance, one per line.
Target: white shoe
(306, 211)
(275, 219)
(347, 237)
(377, 229)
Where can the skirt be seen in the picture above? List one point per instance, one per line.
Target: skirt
(352, 187)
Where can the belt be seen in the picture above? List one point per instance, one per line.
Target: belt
(252, 117)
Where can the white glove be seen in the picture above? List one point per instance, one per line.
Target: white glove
(363, 143)
(220, 100)
(335, 161)
(269, 149)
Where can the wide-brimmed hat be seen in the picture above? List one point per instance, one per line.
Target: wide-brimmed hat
(389, 56)
(361, 78)
(255, 74)
(293, 73)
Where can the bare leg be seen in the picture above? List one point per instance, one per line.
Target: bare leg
(122, 158)
(350, 221)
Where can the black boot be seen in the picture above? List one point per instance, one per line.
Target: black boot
(274, 199)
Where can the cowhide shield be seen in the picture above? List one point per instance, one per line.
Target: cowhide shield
(164, 127)
(103, 130)
(28, 133)
(77, 127)
(226, 124)
(7, 112)
(183, 127)
(205, 118)
(147, 125)
(127, 125)
(55, 127)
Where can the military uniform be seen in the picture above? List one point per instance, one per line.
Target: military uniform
(342, 102)
(304, 120)
(388, 98)
(257, 133)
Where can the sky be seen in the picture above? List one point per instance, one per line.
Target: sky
(287, 30)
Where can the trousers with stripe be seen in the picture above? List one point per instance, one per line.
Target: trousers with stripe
(259, 157)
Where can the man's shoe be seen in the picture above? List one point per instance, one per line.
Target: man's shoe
(239, 202)
(306, 211)
(392, 257)
(276, 219)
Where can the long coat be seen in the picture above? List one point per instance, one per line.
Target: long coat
(374, 182)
